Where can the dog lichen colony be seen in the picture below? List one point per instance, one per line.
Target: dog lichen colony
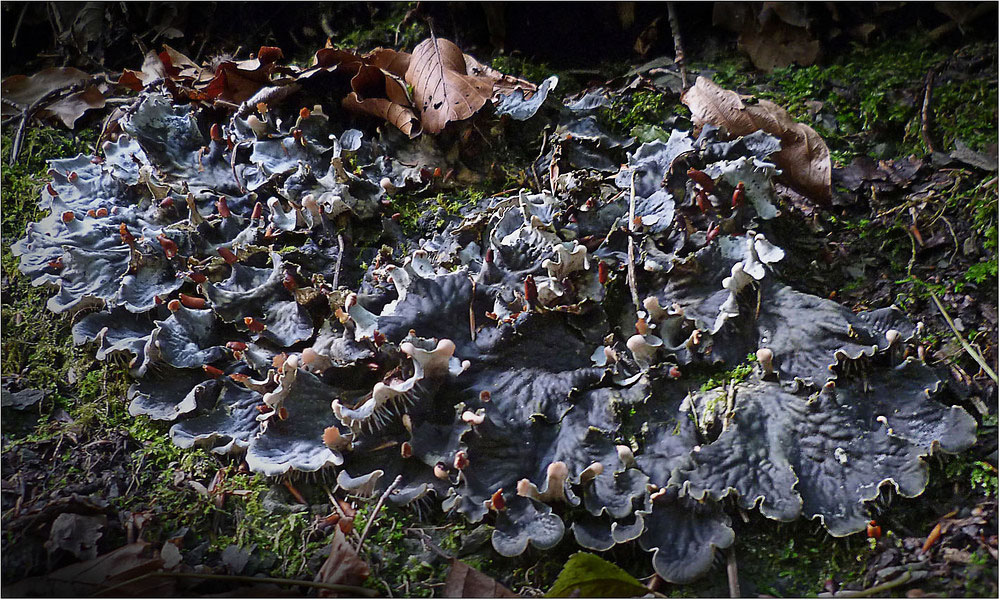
(488, 367)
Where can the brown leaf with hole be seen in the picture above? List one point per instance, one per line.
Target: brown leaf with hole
(343, 566)
(92, 576)
(465, 582)
(443, 90)
(804, 157)
(25, 90)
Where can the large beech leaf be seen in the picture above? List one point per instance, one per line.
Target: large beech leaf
(443, 89)
(115, 569)
(804, 157)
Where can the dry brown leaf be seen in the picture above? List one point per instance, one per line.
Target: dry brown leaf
(777, 44)
(442, 88)
(179, 65)
(238, 81)
(465, 582)
(343, 566)
(332, 59)
(72, 107)
(87, 578)
(804, 157)
(400, 116)
(390, 60)
(152, 69)
(502, 84)
(26, 90)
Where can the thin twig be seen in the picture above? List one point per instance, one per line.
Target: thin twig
(732, 574)
(17, 28)
(392, 486)
(336, 587)
(16, 106)
(675, 29)
(925, 112)
(427, 541)
(913, 251)
(878, 589)
(631, 244)
(730, 404)
(472, 312)
(541, 151)
(340, 511)
(976, 355)
(340, 257)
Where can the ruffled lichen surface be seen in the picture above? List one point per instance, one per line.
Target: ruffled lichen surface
(488, 370)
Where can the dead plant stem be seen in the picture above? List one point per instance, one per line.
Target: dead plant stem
(29, 112)
(378, 506)
(340, 258)
(675, 29)
(336, 587)
(631, 244)
(975, 354)
(732, 574)
(925, 112)
(878, 589)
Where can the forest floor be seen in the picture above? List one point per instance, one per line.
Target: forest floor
(906, 224)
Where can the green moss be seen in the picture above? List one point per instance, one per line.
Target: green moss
(639, 110)
(717, 379)
(380, 28)
(979, 476)
(788, 561)
(35, 343)
(520, 66)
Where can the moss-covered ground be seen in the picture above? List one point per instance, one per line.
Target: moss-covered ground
(864, 103)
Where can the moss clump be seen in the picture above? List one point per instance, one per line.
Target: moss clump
(792, 562)
(35, 344)
(640, 108)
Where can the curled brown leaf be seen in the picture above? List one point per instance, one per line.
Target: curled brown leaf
(804, 157)
(400, 116)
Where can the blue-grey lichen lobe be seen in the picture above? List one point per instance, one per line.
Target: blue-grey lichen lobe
(488, 368)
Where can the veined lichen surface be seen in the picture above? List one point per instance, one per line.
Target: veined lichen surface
(491, 367)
